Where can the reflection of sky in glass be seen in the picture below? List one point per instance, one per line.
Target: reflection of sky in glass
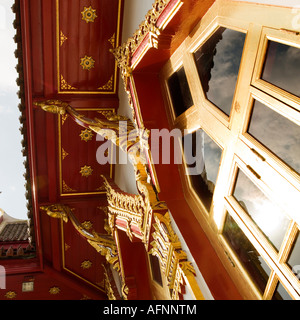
(218, 62)
(202, 156)
(12, 198)
(277, 133)
(268, 217)
(282, 67)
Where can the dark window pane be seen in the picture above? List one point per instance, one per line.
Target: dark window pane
(277, 133)
(282, 67)
(218, 61)
(180, 92)
(202, 156)
(267, 216)
(294, 258)
(247, 254)
(281, 293)
(155, 269)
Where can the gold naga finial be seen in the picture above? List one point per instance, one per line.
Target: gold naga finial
(52, 106)
(57, 211)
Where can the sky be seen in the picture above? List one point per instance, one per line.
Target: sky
(12, 196)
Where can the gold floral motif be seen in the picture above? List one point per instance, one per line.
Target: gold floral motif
(86, 264)
(67, 247)
(86, 171)
(87, 225)
(108, 85)
(63, 38)
(64, 153)
(66, 188)
(89, 14)
(87, 63)
(64, 84)
(112, 40)
(54, 290)
(10, 295)
(86, 135)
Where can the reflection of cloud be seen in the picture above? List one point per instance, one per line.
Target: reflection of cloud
(268, 217)
(225, 69)
(277, 133)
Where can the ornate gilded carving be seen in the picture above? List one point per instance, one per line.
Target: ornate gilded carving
(63, 38)
(86, 171)
(89, 14)
(108, 85)
(54, 290)
(87, 264)
(52, 106)
(87, 63)
(10, 295)
(56, 211)
(86, 135)
(64, 153)
(173, 260)
(64, 84)
(66, 188)
(103, 243)
(87, 225)
(112, 40)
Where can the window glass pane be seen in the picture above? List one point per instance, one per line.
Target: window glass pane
(268, 217)
(257, 268)
(277, 133)
(202, 156)
(281, 293)
(282, 67)
(218, 61)
(294, 258)
(155, 269)
(180, 92)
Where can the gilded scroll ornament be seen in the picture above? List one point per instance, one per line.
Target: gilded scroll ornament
(89, 14)
(86, 135)
(87, 63)
(103, 243)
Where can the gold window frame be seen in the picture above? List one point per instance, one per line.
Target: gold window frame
(268, 172)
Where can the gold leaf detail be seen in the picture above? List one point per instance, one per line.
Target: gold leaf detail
(66, 188)
(64, 85)
(87, 225)
(86, 171)
(64, 153)
(10, 295)
(86, 135)
(86, 264)
(54, 290)
(63, 38)
(89, 14)
(112, 40)
(87, 63)
(64, 118)
(67, 247)
(108, 85)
